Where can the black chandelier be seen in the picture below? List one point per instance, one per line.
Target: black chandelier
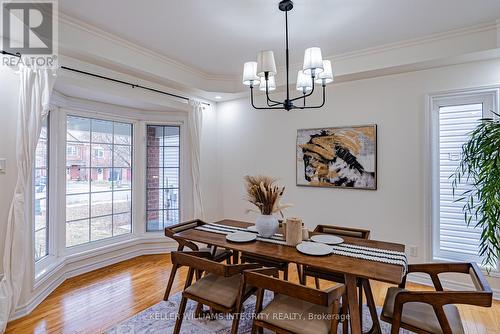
(263, 71)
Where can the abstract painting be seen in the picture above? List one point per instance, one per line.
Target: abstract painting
(344, 157)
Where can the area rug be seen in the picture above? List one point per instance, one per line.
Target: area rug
(160, 318)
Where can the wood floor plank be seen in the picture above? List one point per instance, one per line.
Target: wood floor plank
(95, 301)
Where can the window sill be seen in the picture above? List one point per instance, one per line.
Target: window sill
(49, 266)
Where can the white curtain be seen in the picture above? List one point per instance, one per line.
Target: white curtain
(195, 123)
(34, 95)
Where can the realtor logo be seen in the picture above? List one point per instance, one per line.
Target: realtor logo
(28, 27)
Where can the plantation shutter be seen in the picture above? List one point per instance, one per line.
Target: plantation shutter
(457, 241)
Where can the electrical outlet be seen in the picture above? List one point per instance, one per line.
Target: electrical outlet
(413, 250)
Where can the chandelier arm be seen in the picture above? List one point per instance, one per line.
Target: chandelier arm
(274, 103)
(260, 108)
(307, 95)
(318, 106)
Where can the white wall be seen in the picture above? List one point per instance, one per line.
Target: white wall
(263, 142)
(9, 94)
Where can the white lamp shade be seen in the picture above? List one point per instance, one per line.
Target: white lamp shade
(266, 63)
(271, 84)
(304, 82)
(250, 74)
(326, 76)
(313, 61)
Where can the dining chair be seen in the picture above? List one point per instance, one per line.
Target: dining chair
(295, 308)
(222, 288)
(268, 262)
(217, 255)
(433, 311)
(362, 284)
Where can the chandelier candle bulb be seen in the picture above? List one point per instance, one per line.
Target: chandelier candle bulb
(250, 77)
(271, 84)
(313, 61)
(266, 63)
(326, 76)
(304, 82)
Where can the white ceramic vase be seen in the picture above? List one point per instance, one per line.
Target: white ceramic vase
(266, 225)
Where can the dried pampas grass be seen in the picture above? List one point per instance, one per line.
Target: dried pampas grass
(264, 194)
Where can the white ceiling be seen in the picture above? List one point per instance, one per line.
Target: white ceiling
(217, 36)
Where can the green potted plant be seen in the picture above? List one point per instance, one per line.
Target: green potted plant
(480, 167)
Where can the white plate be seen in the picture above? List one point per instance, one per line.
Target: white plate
(327, 239)
(241, 237)
(314, 248)
(252, 228)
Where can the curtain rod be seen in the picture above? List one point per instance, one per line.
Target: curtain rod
(113, 80)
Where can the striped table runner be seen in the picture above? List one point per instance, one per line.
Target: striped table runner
(350, 250)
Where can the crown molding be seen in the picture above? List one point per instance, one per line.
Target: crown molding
(460, 32)
(419, 41)
(79, 24)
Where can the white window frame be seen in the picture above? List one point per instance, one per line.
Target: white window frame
(183, 177)
(489, 97)
(89, 246)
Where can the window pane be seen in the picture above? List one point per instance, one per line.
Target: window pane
(154, 221)
(122, 224)
(41, 154)
(171, 217)
(456, 239)
(102, 204)
(40, 243)
(155, 156)
(102, 131)
(171, 157)
(162, 175)
(171, 197)
(122, 178)
(101, 228)
(123, 134)
(78, 129)
(171, 136)
(123, 156)
(77, 155)
(77, 180)
(102, 155)
(155, 135)
(155, 199)
(154, 178)
(171, 177)
(41, 206)
(122, 201)
(101, 179)
(99, 161)
(77, 232)
(77, 207)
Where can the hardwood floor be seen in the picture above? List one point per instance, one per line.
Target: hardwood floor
(92, 302)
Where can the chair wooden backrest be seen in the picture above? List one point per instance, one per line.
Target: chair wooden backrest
(268, 279)
(482, 296)
(343, 231)
(201, 261)
(172, 230)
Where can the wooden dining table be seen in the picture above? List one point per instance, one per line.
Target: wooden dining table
(352, 268)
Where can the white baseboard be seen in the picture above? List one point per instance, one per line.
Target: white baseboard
(447, 284)
(77, 266)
